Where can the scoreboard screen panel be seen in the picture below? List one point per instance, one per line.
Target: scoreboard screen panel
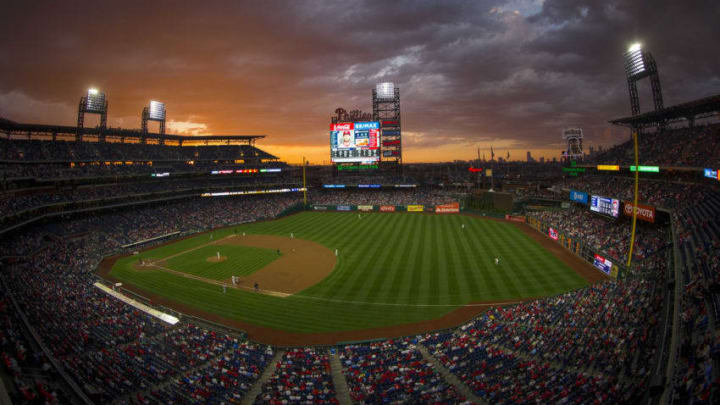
(355, 142)
(605, 205)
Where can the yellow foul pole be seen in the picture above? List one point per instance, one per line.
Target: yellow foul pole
(305, 185)
(635, 200)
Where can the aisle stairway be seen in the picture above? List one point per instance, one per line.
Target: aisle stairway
(257, 387)
(450, 377)
(341, 388)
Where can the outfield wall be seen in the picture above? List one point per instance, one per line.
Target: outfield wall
(603, 262)
(449, 208)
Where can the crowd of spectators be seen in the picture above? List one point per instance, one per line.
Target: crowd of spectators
(34, 379)
(394, 371)
(580, 347)
(64, 170)
(605, 234)
(302, 376)
(112, 349)
(12, 203)
(420, 195)
(352, 179)
(658, 193)
(698, 234)
(690, 147)
(71, 151)
(226, 378)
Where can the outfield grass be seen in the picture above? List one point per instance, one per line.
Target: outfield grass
(393, 268)
(241, 261)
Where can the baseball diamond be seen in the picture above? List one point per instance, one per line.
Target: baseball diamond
(382, 283)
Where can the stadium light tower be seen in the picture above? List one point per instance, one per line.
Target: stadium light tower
(638, 65)
(386, 109)
(93, 103)
(154, 112)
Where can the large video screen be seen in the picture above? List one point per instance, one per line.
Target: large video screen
(605, 205)
(355, 142)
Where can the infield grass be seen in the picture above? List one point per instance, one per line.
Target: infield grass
(392, 268)
(240, 261)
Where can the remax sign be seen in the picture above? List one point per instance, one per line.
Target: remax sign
(359, 126)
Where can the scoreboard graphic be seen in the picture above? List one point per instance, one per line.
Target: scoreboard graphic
(605, 205)
(355, 142)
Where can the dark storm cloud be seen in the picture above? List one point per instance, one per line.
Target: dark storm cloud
(511, 72)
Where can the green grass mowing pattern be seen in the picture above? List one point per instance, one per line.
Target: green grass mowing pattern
(393, 268)
(241, 261)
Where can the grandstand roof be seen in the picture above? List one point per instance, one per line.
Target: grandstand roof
(12, 126)
(700, 108)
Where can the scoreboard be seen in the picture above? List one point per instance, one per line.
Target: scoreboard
(355, 142)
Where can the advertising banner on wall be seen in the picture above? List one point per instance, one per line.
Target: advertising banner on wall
(712, 173)
(343, 208)
(603, 264)
(415, 208)
(451, 208)
(515, 218)
(644, 212)
(365, 207)
(553, 234)
(387, 208)
(319, 208)
(579, 197)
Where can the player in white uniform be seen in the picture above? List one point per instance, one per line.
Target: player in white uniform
(497, 261)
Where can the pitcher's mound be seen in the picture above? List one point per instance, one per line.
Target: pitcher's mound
(215, 259)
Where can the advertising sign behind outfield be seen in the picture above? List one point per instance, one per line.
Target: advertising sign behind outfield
(644, 212)
(319, 208)
(365, 207)
(343, 208)
(578, 197)
(515, 218)
(451, 208)
(387, 208)
(415, 208)
(553, 234)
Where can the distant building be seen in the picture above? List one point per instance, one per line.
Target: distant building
(542, 159)
(529, 157)
(554, 160)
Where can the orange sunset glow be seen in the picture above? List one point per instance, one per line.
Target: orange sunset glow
(510, 75)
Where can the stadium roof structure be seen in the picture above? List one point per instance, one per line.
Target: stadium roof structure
(701, 108)
(12, 127)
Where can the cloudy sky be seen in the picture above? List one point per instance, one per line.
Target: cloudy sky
(471, 74)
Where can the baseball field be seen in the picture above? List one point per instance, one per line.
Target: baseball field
(318, 273)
